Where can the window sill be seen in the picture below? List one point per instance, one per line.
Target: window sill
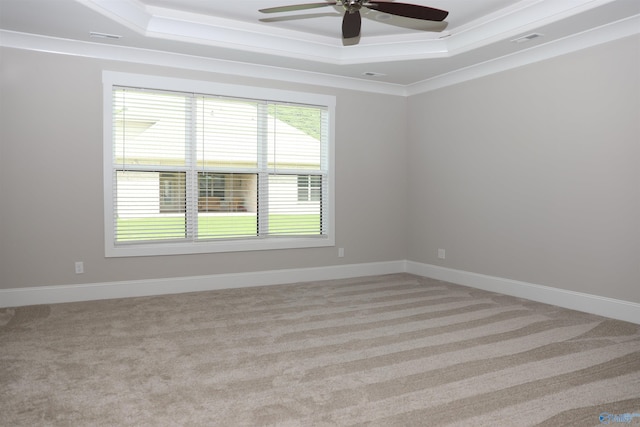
(185, 248)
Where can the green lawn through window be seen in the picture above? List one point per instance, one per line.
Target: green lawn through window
(214, 226)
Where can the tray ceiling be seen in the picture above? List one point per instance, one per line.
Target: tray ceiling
(391, 49)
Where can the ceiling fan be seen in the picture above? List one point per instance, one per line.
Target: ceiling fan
(351, 21)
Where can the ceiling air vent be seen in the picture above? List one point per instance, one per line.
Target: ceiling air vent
(527, 38)
(372, 74)
(97, 35)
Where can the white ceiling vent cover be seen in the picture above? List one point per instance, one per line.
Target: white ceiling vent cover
(373, 74)
(527, 38)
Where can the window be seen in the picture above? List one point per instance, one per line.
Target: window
(211, 184)
(309, 188)
(198, 167)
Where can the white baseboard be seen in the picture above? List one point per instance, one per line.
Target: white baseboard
(18, 297)
(602, 306)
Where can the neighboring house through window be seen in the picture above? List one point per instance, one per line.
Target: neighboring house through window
(309, 188)
(199, 167)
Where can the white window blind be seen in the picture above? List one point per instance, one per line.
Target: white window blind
(196, 168)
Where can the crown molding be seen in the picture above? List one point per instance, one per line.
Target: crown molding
(163, 23)
(617, 30)
(169, 24)
(102, 51)
(604, 34)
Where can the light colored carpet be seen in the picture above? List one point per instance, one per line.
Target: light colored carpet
(394, 350)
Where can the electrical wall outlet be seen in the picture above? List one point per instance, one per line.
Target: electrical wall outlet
(340, 252)
(79, 267)
(441, 253)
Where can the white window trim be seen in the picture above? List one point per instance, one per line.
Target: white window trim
(111, 78)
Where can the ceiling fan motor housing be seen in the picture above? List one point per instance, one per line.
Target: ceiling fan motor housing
(352, 5)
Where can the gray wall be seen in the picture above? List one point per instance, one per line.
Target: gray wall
(51, 211)
(533, 174)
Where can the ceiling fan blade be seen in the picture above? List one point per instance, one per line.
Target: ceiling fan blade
(351, 24)
(408, 10)
(299, 16)
(295, 7)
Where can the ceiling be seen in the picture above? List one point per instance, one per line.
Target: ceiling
(392, 51)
